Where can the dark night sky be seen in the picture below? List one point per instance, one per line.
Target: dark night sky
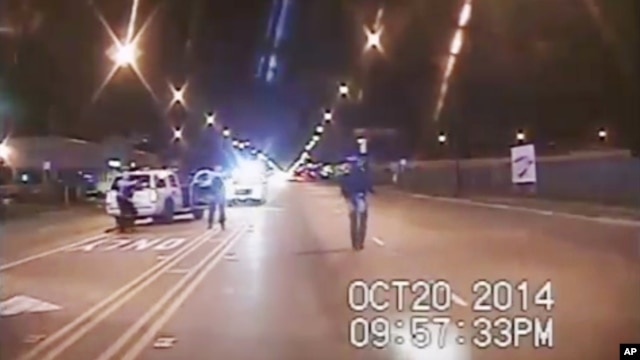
(537, 64)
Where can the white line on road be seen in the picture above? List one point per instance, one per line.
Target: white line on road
(602, 220)
(81, 325)
(51, 252)
(178, 271)
(378, 241)
(173, 298)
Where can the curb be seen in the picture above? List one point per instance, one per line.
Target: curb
(599, 219)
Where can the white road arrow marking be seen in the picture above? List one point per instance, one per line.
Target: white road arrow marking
(25, 304)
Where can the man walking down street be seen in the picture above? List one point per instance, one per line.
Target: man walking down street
(355, 185)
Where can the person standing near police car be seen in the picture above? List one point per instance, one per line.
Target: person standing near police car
(217, 201)
(128, 213)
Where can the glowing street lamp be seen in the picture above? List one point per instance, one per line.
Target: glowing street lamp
(125, 55)
(210, 118)
(520, 136)
(374, 39)
(5, 151)
(178, 94)
(602, 134)
(315, 138)
(343, 90)
(177, 134)
(319, 129)
(328, 115)
(442, 139)
(226, 132)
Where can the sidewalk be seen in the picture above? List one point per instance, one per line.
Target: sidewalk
(571, 209)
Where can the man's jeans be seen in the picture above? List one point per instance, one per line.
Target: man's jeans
(218, 203)
(358, 213)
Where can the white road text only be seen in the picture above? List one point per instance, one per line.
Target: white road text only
(81, 325)
(157, 244)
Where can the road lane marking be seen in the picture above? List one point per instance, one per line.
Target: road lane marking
(89, 319)
(34, 338)
(602, 220)
(378, 241)
(21, 304)
(164, 342)
(187, 284)
(51, 252)
(178, 271)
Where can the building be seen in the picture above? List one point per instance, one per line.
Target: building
(33, 159)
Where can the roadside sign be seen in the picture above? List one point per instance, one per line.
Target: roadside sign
(523, 164)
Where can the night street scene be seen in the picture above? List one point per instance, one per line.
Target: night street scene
(319, 179)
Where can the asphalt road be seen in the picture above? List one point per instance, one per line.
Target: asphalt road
(275, 285)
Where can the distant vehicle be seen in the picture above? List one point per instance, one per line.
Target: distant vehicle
(158, 195)
(248, 183)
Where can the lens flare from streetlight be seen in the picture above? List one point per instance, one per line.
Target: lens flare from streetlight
(328, 115)
(5, 151)
(211, 119)
(343, 90)
(124, 53)
(374, 39)
(177, 93)
(177, 134)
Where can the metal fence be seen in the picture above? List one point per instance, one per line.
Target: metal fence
(599, 177)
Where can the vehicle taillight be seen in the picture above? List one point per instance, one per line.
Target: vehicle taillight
(153, 196)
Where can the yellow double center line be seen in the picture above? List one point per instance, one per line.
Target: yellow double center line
(80, 326)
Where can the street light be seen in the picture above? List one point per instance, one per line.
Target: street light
(125, 55)
(211, 119)
(177, 134)
(343, 90)
(374, 39)
(315, 138)
(328, 115)
(602, 134)
(226, 132)
(235, 143)
(319, 129)
(520, 135)
(5, 151)
(178, 94)
(442, 139)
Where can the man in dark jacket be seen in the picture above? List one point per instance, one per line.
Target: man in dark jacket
(216, 196)
(128, 213)
(355, 185)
